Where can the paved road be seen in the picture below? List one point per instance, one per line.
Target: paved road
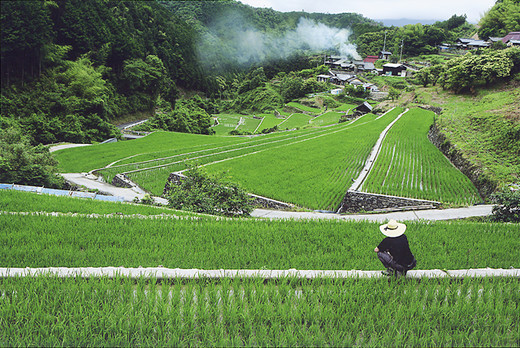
(91, 181)
(65, 146)
(432, 214)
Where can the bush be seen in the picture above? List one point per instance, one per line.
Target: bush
(21, 163)
(507, 208)
(199, 192)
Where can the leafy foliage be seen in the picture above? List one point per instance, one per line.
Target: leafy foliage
(502, 18)
(476, 69)
(202, 193)
(507, 208)
(416, 39)
(187, 117)
(21, 163)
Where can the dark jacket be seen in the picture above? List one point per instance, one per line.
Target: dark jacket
(399, 249)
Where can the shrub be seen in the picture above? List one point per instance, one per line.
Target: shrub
(507, 206)
(21, 163)
(199, 192)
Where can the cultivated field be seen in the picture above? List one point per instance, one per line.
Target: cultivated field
(51, 311)
(201, 241)
(409, 165)
(312, 167)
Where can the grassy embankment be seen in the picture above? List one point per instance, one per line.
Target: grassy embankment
(484, 128)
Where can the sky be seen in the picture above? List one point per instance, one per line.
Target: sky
(385, 9)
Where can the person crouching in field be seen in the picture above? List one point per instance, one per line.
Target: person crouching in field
(394, 251)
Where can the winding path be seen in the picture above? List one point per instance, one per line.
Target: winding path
(90, 181)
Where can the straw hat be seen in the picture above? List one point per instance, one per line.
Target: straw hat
(393, 228)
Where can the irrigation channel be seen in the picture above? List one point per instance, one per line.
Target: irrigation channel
(169, 273)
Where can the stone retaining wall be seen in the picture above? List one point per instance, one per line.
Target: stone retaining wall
(355, 202)
(483, 184)
(120, 180)
(264, 202)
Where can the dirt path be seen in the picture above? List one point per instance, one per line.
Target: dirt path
(374, 153)
(168, 273)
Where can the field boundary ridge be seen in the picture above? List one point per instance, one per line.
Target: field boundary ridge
(170, 273)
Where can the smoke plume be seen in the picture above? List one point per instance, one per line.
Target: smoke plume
(232, 40)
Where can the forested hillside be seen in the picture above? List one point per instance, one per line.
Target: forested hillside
(68, 67)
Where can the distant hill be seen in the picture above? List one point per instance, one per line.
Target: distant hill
(404, 21)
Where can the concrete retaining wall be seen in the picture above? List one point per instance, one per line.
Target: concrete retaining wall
(355, 202)
(259, 201)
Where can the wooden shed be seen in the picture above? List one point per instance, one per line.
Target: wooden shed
(393, 69)
(362, 109)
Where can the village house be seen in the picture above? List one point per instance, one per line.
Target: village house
(468, 44)
(512, 39)
(371, 59)
(394, 69)
(346, 79)
(344, 64)
(384, 55)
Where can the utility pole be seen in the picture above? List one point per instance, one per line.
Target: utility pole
(401, 56)
(384, 43)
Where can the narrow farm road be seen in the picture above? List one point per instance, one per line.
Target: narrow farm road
(65, 146)
(91, 182)
(431, 214)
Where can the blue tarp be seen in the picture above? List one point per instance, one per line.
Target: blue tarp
(27, 188)
(110, 198)
(55, 192)
(6, 186)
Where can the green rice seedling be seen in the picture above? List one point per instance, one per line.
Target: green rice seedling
(269, 121)
(305, 108)
(328, 118)
(47, 241)
(409, 165)
(295, 121)
(19, 201)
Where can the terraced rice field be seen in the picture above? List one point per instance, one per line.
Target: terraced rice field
(53, 311)
(409, 165)
(130, 239)
(311, 167)
(308, 109)
(295, 121)
(326, 119)
(273, 165)
(269, 121)
(50, 311)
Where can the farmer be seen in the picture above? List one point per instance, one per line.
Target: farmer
(394, 251)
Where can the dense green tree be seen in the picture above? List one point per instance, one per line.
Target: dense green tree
(26, 29)
(502, 18)
(477, 69)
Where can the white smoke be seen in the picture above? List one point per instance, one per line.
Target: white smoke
(234, 40)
